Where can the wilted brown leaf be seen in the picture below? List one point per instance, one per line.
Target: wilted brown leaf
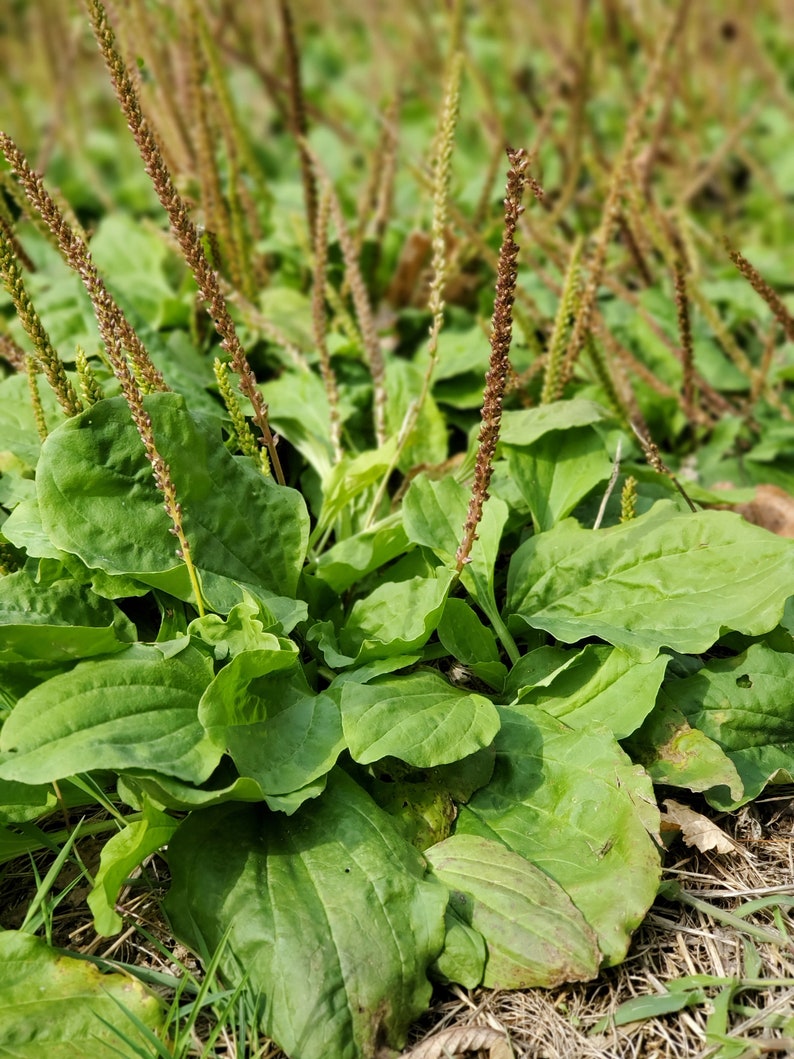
(696, 830)
(463, 1040)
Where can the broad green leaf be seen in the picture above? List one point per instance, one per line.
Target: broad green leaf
(746, 706)
(526, 426)
(427, 443)
(674, 753)
(136, 710)
(353, 557)
(602, 685)
(98, 500)
(348, 479)
(59, 622)
(573, 804)
(277, 730)
(395, 618)
(667, 579)
(329, 916)
(299, 410)
(434, 514)
(534, 934)
(557, 471)
(120, 856)
(471, 643)
(419, 718)
(464, 954)
(64, 1008)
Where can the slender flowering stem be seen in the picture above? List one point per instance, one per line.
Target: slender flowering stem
(182, 226)
(116, 331)
(501, 336)
(113, 329)
(51, 363)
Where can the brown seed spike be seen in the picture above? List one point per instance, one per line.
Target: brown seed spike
(501, 337)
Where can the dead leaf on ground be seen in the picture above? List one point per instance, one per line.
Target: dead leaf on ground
(463, 1040)
(697, 830)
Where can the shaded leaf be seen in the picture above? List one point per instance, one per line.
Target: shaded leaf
(328, 912)
(534, 934)
(557, 471)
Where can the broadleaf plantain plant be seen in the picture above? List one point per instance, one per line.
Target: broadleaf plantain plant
(388, 732)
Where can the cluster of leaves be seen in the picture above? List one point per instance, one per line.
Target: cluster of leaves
(375, 765)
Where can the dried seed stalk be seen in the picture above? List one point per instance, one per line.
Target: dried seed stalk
(297, 116)
(760, 286)
(611, 210)
(319, 322)
(501, 336)
(685, 332)
(182, 226)
(361, 303)
(114, 329)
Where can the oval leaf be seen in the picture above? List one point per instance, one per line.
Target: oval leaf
(574, 805)
(98, 500)
(667, 579)
(329, 915)
(419, 718)
(534, 933)
(137, 710)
